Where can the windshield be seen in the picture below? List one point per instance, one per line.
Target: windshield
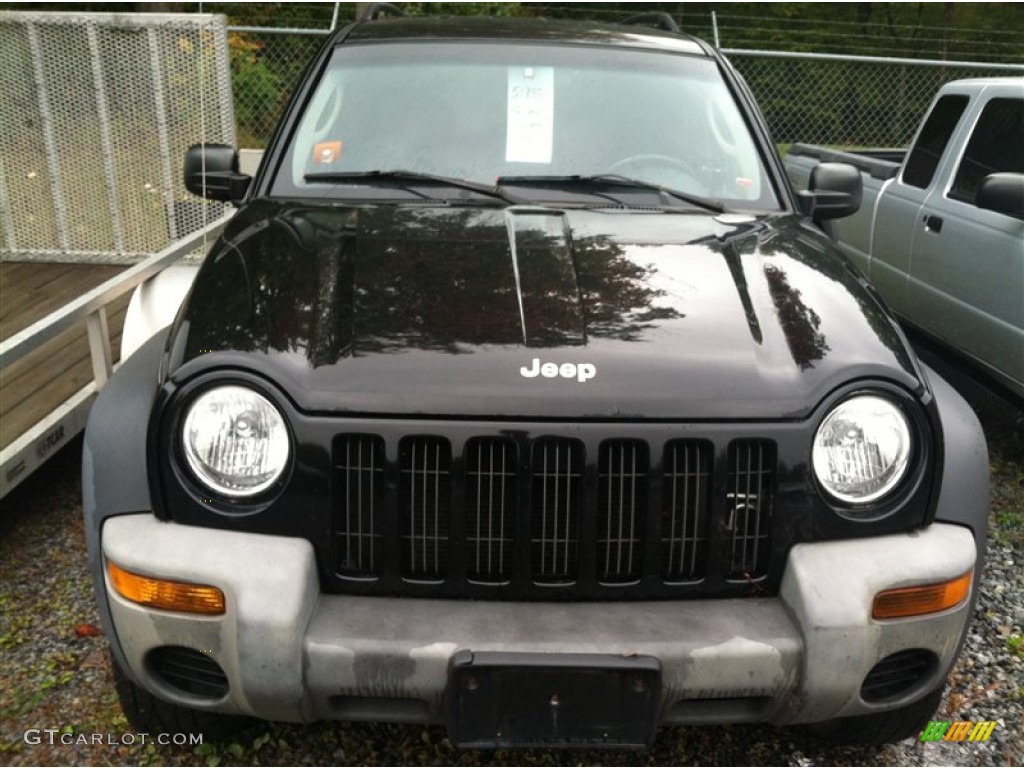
(480, 113)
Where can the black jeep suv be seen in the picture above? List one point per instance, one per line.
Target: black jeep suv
(523, 394)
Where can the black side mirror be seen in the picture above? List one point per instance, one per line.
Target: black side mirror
(211, 171)
(834, 191)
(1002, 193)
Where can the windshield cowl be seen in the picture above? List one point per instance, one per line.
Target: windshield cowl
(411, 181)
(611, 187)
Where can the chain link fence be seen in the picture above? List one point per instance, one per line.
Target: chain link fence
(99, 109)
(849, 101)
(266, 65)
(96, 115)
(842, 101)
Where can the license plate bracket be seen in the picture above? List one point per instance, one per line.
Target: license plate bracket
(542, 700)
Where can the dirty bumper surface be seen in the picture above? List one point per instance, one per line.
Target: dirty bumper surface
(291, 653)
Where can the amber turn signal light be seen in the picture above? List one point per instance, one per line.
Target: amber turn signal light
(166, 595)
(918, 601)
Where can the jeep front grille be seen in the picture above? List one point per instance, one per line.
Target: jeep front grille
(508, 516)
(359, 473)
(555, 506)
(685, 502)
(621, 502)
(751, 471)
(425, 494)
(492, 493)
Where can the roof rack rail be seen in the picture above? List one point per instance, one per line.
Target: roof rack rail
(658, 19)
(375, 10)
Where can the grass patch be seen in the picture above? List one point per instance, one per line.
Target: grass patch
(1015, 645)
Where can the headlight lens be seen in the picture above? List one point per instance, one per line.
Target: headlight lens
(862, 449)
(235, 441)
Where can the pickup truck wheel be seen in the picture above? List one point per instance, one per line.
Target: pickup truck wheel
(881, 727)
(148, 714)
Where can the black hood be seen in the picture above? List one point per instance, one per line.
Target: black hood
(417, 310)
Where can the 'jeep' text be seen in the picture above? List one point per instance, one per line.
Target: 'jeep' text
(581, 372)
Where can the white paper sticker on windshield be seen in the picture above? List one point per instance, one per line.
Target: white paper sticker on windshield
(531, 109)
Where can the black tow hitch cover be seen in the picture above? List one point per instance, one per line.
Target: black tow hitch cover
(553, 700)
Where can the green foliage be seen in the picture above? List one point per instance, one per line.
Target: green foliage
(16, 624)
(1009, 528)
(464, 9)
(818, 102)
(1015, 645)
(261, 741)
(209, 752)
(257, 90)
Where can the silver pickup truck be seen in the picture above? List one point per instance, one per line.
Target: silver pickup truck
(940, 231)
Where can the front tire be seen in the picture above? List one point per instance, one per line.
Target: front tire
(881, 727)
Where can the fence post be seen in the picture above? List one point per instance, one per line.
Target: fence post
(226, 105)
(11, 243)
(52, 154)
(107, 145)
(161, 124)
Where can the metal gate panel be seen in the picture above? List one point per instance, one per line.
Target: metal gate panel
(96, 113)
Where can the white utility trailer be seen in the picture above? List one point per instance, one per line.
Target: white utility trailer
(96, 112)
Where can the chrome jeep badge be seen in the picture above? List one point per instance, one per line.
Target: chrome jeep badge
(580, 371)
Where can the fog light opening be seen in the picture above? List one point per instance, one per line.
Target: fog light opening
(166, 595)
(188, 671)
(898, 674)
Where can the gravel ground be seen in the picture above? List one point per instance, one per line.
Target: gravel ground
(55, 674)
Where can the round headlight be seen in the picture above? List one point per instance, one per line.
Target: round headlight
(235, 441)
(862, 449)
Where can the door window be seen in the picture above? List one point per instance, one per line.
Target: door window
(995, 146)
(925, 154)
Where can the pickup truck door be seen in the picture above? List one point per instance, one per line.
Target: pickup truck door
(967, 264)
(898, 213)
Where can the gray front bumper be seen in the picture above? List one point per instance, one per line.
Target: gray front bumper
(292, 653)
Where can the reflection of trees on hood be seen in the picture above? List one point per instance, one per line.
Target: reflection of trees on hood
(449, 280)
(619, 301)
(799, 322)
(432, 280)
(829, 265)
(263, 297)
(340, 282)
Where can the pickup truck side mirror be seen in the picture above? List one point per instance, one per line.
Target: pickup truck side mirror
(1003, 193)
(833, 191)
(211, 171)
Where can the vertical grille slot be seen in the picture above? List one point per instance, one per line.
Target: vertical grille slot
(686, 501)
(491, 499)
(751, 490)
(555, 502)
(622, 498)
(425, 504)
(359, 478)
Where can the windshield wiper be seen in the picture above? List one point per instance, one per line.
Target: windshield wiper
(397, 175)
(596, 182)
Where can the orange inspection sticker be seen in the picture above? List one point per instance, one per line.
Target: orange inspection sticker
(327, 152)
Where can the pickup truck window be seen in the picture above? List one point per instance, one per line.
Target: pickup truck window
(924, 156)
(995, 147)
(475, 113)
